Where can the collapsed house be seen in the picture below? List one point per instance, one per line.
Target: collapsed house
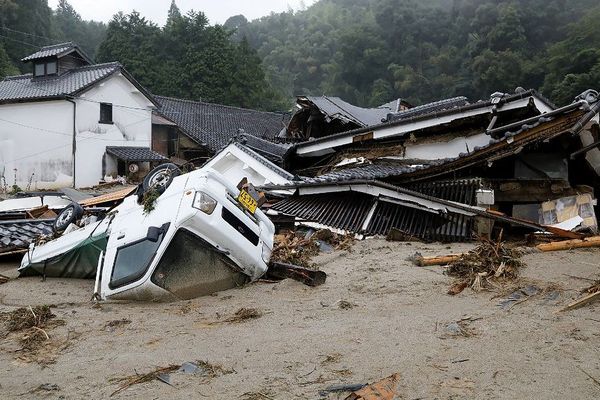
(317, 117)
(515, 157)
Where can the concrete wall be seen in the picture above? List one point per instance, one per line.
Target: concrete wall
(36, 138)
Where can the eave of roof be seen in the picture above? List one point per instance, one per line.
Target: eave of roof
(58, 50)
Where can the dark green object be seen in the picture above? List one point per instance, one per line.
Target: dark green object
(80, 262)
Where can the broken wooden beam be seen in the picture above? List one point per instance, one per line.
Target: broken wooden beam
(310, 277)
(437, 260)
(593, 241)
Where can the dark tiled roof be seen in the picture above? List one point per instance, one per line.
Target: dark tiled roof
(128, 153)
(334, 107)
(264, 161)
(24, 87)
(215, 125)
(18, 234)
(57, 50)
(274, 152)
(429, 108)
(377, 171)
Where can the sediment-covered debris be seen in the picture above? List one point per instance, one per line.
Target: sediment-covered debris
(486, 263)
(298, 247)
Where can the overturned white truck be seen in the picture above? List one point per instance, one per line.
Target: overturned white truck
(203, 234)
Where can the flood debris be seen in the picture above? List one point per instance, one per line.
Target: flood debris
(137, 379)
(298, 247)
(489, 262)
(111, 326)
(32, 324)
(310, 277)
(244, 314)
(28, 317)
(384, 389)
(592, 294)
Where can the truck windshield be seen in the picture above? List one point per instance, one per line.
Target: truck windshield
(132, 261)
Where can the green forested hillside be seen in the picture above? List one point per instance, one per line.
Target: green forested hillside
(365, 51)
(369, 51)
(26, 25)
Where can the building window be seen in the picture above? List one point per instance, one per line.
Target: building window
(106, 116)
(40, 69)
(51, 68)
(47, 68)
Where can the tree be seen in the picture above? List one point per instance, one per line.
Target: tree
(6, 67)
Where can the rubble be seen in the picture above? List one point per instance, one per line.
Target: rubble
(485, 264)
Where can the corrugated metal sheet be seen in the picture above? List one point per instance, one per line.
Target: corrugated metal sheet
(462, 190)
(425, 225)
(346, 211)
(349, 211)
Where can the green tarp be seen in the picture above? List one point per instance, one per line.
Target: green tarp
(80, 262)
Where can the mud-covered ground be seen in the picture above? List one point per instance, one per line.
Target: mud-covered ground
(376, 315)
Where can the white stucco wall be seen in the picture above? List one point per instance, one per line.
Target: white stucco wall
(36, 138)
(132, 117)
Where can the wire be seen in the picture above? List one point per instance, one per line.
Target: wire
(28, 34)
(20, 41)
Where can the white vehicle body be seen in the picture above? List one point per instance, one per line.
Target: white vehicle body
(177, 250)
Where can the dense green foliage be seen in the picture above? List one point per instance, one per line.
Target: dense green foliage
(188, 58)
(366, 51)
(370, 51)
(27, 25)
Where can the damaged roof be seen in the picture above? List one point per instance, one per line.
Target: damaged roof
(430, 115)
(336, 108)
(18, 234)
(215, 125)
(132, 154)
(503, 142)
(267, 159)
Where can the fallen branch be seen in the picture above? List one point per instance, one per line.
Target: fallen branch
(137, 379)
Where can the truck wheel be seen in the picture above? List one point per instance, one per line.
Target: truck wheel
(67, 216)
(160, 178)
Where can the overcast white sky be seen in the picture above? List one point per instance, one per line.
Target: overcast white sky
(217, 11)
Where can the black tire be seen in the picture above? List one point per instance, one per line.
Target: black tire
(67, 216)
(160, 178)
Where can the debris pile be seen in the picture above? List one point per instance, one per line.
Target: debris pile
(33, 323)
(299, 247)
(486, 263)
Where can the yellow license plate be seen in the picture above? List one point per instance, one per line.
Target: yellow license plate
(247, 201)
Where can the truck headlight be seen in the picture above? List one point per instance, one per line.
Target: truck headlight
(204, 203)
(266, 253)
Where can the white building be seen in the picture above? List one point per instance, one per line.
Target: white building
(56, 124)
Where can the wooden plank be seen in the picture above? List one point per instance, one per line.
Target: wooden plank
(582, 301)
(109, 197)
